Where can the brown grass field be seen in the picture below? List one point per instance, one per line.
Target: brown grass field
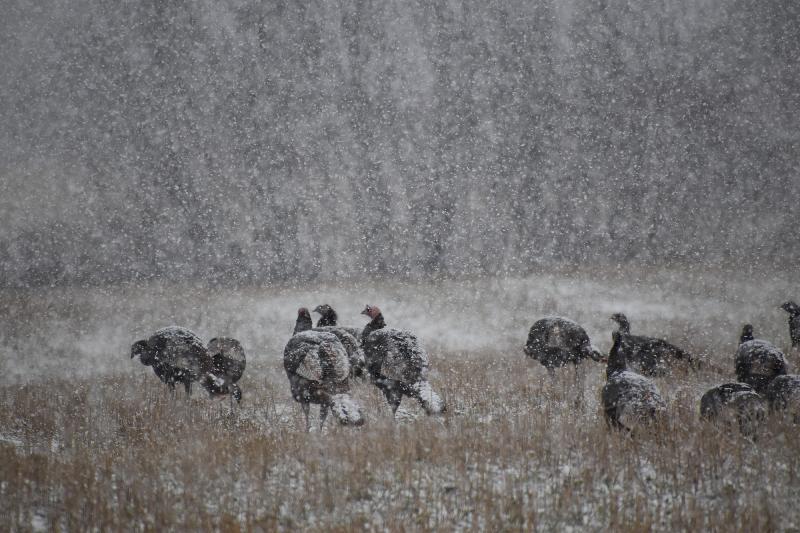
(102, 446)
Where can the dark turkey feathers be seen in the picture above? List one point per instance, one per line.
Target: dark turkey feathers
(397, 364)
(557, 341)
(629, 399)
(650, 355)
(758, 362)
(734, 404)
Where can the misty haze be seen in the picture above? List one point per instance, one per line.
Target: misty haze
(459, 170)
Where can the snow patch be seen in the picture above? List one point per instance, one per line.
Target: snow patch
(347, 410)
(431, 401)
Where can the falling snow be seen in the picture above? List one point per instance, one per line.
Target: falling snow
(468, 166)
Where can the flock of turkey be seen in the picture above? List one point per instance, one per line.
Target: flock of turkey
(320, 362)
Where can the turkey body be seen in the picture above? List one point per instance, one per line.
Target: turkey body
(318, 368)
(557, 342)
(398, 365)
(783, 395)
(757, 363)
(734, 404)
(650, 355)
(351, 345)
(629, 399)
(176, 355)
(228, 362)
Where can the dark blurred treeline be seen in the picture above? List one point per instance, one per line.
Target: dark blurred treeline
(247, 141)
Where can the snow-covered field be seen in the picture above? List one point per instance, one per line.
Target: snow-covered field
(58, 332)
(90, 440)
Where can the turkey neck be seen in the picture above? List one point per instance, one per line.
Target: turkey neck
(328, 319)
(303, 324)
(792, 308)
(616, 358)
(376, 323)
(623, 326)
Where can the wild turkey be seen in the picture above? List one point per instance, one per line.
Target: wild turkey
(227, 367)
(328, 317)
(176, 354)
(651, 356)
(397, 364)
(557, 342)
(147, 357)
(783, 395)
(794, 322)
(734, 403)
(757, 362)
(629, 399)
(318, 369)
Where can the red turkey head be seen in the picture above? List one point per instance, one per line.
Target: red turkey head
(371, 311)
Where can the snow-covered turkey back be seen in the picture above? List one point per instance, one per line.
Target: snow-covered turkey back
(757, 363)
(632, 399)
(628, 399)
(317, 356)
(228, 358)
(350, 343)
(557, 341)
(181, 349)
(734, 404)
(396, 354)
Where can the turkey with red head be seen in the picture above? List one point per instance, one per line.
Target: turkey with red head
(397, 364)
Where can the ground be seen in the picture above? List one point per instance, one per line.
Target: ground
(89, 439)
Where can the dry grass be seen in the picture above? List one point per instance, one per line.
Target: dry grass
(515, 452)
(90, 440)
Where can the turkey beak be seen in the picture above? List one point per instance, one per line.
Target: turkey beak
(316, 310)
(365, 312)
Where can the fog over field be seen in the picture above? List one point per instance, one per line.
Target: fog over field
(469, 167)
(73, 331)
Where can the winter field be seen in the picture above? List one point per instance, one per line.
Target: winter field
(91, 440)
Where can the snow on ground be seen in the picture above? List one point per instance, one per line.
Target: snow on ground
(514, 447)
